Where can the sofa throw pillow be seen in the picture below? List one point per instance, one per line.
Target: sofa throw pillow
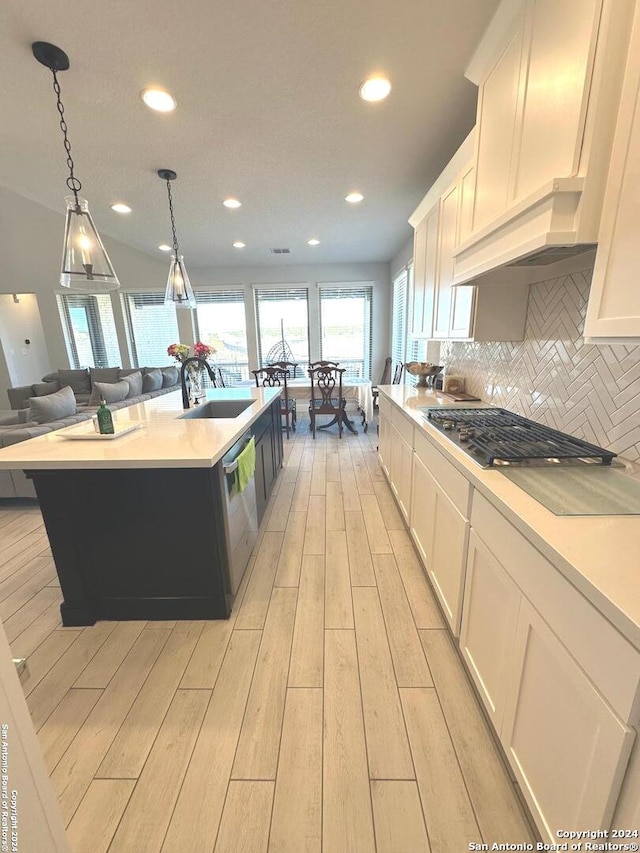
(41, 389)
(134, 380)
(52, 407)
(104, 374)
(77, 380)
(110, 392)
(170, 376)
(50, 377)
(152, 381)
(127, 371)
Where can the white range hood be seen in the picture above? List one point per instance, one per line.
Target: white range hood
(549, 77)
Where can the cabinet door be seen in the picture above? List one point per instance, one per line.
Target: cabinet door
(614, 298)
(384, 442)
(425, 252)
(401, 475)
(489, 620)
(441, 534)
(443, 298)
(498, 100)
(261, 492)
(566, 746)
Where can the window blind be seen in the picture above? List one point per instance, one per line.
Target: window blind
(282, 312)
(89, 329)
(152, 326)
(345, 327)
(221, 323)
(399, 318)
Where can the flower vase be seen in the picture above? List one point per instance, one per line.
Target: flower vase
(195, 380)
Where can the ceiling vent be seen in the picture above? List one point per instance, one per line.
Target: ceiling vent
(280, 251)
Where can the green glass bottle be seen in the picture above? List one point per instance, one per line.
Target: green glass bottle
(105, 419)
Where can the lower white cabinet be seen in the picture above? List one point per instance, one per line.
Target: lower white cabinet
(400, 470)
(384, 439)
(440, 531)
(566, 746)
(489, 621)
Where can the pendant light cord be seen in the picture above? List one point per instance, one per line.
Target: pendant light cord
(72, 182)
(173, 220)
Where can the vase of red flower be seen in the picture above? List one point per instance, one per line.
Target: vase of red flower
(181, 352)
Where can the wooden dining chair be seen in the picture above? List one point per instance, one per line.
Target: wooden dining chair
(290, 367)
(384, 380)
(322, 363)
(326, 396)
(271, 377)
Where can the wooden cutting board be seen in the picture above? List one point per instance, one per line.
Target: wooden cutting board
(458, 397)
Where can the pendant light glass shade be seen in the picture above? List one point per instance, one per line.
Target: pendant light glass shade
(85, 262)
(179, 291)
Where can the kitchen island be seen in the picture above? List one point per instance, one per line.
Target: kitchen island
(138, 524)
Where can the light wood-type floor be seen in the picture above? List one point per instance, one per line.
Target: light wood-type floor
(330, 713)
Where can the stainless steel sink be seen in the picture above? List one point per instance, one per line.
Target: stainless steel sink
(218, 409)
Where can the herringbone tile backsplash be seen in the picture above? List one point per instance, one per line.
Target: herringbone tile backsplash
(590, 391)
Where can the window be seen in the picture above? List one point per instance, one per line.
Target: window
(89, 329)
(152, 327)
(221, 323)
(345, 327)
(399, 317)
(416, 348)
(283, 315)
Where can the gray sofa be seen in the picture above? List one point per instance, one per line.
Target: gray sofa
(17, 428)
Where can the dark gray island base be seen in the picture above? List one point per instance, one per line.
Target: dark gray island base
(147, 543)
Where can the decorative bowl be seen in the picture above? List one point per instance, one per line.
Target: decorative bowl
(424, 370)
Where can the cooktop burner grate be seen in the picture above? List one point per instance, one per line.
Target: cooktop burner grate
(496, 435)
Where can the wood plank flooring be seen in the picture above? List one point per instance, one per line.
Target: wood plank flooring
(330, 713)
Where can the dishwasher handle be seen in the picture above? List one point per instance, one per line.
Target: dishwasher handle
(229, 469)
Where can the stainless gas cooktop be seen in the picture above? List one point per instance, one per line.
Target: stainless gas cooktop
(493, 437)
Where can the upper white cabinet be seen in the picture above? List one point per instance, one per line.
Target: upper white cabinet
(614, 300)
(549, 75)
(439, 310)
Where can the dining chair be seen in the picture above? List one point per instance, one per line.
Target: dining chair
(386, 375)
(397, 374)
(326, 396)
(322, 363)
(291, 367)
(271, 377)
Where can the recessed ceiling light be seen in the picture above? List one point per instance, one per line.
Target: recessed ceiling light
(374, 89)
(313, 242)
(158, 100)
(239, 244)
(121, 208)
(164, 248)
(232, 202)
(354, 198)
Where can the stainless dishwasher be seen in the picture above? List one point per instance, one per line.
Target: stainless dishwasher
(240, 515)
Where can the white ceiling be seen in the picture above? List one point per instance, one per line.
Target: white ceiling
(268, 111)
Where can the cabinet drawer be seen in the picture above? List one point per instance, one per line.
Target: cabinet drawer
(610, 661)
(453, 483)
(403, 424)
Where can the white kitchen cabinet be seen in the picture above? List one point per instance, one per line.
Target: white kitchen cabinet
(440, 531)
(489, 621)
(614, 299)
(549, 77)
(400, 471)
(494, 312)
(384, 435)
(425, 253)
(566, 746)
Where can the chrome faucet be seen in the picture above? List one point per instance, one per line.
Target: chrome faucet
(183, 377)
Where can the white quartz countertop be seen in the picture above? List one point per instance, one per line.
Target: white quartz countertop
(599, 555)
(164, 440)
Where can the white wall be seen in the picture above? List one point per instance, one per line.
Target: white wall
(19, 323)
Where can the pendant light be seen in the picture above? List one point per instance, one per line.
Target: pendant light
(179, 291)
(85, 263)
